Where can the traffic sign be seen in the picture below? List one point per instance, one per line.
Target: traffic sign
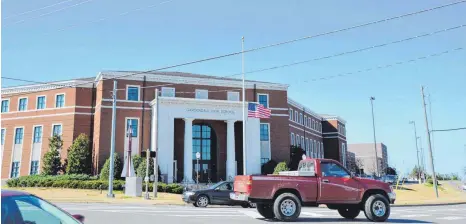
(198, 155)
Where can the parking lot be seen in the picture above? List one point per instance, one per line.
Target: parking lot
(104, 213)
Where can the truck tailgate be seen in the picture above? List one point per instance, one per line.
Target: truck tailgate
(242, 184)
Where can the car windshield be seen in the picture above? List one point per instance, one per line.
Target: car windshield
(30, 209)
(216, 185)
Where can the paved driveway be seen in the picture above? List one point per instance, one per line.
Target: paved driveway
(104, 213)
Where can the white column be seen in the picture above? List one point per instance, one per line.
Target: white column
(188, 150)
(231, 166)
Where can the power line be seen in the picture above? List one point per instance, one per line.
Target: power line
(385, 66)
(451, 129)
(48, 13)
(108, 17)
(38, 9)
(274, 67)
(355, 51)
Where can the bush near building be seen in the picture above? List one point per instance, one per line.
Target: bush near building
(52, 162)
(117, 168)
(79, 159)
(82, 182)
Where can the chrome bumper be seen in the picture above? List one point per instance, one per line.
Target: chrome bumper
(238, 197)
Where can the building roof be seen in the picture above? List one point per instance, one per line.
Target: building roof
(333, 117)
(166, 77)
(302, 107)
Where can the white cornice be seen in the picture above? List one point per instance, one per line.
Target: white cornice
(329, 118)
(198, 102)
(47, 86)
(300, 106)
(203, 80)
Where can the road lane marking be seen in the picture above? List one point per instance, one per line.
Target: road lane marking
(414, 215)
(312, 214)
(452, 218)
(252, 214)
(198, 215)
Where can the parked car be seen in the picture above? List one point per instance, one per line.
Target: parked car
(317, 181)
(389, 179)
(217, 194)
(22, 207)
(464, 186)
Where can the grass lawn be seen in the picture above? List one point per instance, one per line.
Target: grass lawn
(424, 194)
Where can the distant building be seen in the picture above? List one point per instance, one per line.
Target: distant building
(334, 134)
(365, 157)
(351, 162)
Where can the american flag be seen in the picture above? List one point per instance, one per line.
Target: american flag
(258, 111)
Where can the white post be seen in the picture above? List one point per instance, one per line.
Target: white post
(244, 108)
(146, 179)
(154, 142)
(230, 150)
(188, 150)
(112, 142)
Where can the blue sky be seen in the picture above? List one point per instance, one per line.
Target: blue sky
(182, 30)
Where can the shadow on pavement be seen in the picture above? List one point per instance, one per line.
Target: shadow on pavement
(337, 220)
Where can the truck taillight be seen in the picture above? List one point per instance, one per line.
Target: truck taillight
(249, 184)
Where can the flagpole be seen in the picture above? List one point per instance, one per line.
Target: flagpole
(244, 108)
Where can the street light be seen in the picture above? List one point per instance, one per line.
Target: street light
(375, 141)
(417, 149)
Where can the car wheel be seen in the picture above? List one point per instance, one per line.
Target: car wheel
(202, 201)
(287, 207)
(195, 204)
(245, 205)
(349, 213)
(266, 210)
(377, 208)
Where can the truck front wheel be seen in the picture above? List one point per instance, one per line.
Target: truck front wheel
(266, 210)
(287, 207)
(377, 208)
(349, 213)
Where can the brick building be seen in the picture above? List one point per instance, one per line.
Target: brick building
(205, 112)
(365, 155)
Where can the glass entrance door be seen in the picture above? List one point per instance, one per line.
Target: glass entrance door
(202, 143)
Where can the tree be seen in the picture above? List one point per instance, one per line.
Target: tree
(268, 167)
(104, 173)
(52, 161)
(296, 155)
(416, 172)
(142, 167)
(390, 171)
(79, 156)
(359, 165)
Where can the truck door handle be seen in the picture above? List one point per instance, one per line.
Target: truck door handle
(325, 181)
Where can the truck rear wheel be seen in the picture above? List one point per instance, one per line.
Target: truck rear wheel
(287, 207)
(377, 208)
(349, 213)
(266, 210)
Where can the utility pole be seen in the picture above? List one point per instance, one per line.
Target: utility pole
(428, 142)
(112, 142)
(417, 150)
(244, 108)
(375, 141)
(155, 142)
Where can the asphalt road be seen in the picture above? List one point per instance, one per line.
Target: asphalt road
(135, 214)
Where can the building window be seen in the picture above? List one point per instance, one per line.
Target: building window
(168, 92)
(56, 130)
(132, 93)
(34, 167)
(19, 135)
(298, 141)
(292, 139)
(302, 142)
(233, 96)
(14, 169)
(202, 94)
(296, 116)
(263, 99)
(307, 147)
(318, 150)
(301, 118)
(202, 140)
(40, 102)
(5, 106)
(38, 134)
(264, 132)
(3, 135)
(291, 114)
(60, 100)
(343, 154)
(23, 104)
(305, 121)
(133, 124)
(315, 149)
(322, 150)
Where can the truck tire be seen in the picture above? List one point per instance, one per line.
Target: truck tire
(287, 207)
(266, 210)
(377, 208)
(349, 213)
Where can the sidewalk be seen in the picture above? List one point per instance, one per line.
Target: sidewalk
(95, 196)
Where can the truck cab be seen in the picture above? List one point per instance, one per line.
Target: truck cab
(317, 181)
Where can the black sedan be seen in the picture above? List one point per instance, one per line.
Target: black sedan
(217, 194)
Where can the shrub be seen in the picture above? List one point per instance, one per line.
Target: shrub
(268, 167)
(79, 159)
(141, 169)
(51, 162)
(118, 166)
(281, 167)
(296, 155)
(137, 160)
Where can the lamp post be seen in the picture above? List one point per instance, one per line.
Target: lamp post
(417, 150)
(375, 141)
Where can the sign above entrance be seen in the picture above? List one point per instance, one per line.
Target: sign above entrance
(216, 111)
(198, 155)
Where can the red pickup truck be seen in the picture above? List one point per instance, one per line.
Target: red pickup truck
(316, 182)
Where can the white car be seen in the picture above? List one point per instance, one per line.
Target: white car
(464, 186)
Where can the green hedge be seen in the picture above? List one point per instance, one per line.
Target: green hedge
(82, 182)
